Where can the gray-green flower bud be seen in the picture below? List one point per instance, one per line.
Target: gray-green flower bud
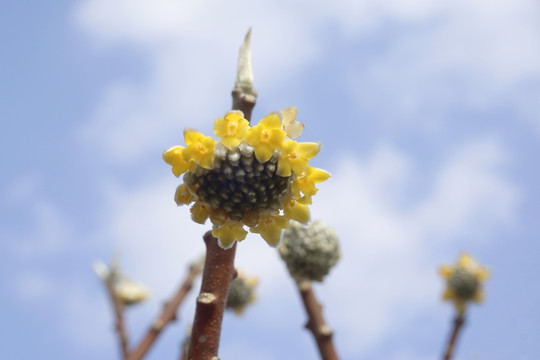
(309, 251)
(241, 293)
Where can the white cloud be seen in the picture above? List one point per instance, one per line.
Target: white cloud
(48, 230)
(86, 318)
(392, 246)
(446, 54)
(34, 286)
(468, 192)
(474, 55)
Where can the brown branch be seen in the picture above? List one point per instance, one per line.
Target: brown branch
(217, 276)
(316, 323)
(118, 309)
(168, 314)
(459, 320)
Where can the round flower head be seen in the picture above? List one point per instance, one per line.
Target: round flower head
(464, 282)
(241, 293)
(309, 251)
(253, 176)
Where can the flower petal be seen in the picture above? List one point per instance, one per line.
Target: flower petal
(200, 213)
(173, 156)
(295, 210)
(229, 233)
(263, 152)
(308, 149)
(292, 127)
(270, 121)
(183, 195)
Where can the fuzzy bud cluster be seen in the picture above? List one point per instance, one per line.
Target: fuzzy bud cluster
(464, 282)
(241, 293)
(309, 251)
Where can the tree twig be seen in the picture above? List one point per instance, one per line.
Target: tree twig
(459, 320)
(118, 309)
(217, 276)
(316, 324)
(168, 314)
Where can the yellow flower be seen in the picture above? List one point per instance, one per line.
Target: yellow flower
(200, 213)
(292, 128)
(200, 148)
(295, 156)
(229, 233)
(269, 227)
(464, 282)
(306, 182)
(253, 176)
(266, 136)
(232, 128)
(183, 195)
(297, 210)
(173, 156)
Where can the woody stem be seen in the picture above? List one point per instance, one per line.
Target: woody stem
(459, 320)
(316, 324)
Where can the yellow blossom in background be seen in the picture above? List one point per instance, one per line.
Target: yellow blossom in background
(464, 282)
(252, 176)
(129, 292)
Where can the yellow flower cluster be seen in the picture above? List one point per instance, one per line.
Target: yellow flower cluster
(464, 282)
(257, 176)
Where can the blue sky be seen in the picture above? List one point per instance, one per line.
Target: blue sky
(429, 119)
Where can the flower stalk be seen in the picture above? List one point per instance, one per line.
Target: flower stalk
(118, 308)
(459, 320)
(217, 276)
(316, 324)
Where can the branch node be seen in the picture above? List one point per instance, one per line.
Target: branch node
(158, 325)
(325, 330)
(206, 298)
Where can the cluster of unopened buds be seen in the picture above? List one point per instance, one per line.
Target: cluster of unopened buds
(241, 292)
(309, 251)
(257, 176)
(464, 282)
